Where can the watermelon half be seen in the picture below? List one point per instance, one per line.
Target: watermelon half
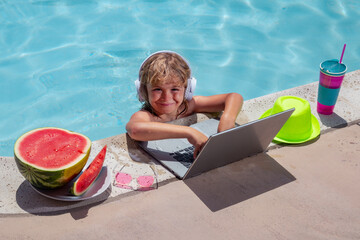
(88, 177)
(51, 157)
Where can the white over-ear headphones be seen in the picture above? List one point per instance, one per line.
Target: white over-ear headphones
(191, 82)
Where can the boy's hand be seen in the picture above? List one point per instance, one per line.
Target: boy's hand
(197, 139)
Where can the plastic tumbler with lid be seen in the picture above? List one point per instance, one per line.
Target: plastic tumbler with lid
(332, 73)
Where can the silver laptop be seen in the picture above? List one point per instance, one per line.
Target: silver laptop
(221, 148)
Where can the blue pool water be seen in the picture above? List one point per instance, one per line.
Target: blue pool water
(72, 64)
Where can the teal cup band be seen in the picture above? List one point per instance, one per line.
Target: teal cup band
(327, 96)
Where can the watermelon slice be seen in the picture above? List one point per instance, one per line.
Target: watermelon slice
(51, 157)
(88, 177)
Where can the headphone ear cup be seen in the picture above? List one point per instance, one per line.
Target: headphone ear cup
(190, 89)
(137, 85)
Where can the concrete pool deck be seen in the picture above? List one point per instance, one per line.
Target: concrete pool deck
(306, 191)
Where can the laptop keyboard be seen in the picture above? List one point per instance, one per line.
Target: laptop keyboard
(184, 156)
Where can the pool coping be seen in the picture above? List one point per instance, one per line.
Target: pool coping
(18, 198)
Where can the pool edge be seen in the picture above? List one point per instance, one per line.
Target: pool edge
(124, 151)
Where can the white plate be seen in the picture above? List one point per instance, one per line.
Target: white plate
(63, 194)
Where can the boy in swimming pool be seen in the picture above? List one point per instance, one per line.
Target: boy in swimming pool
(165, 86)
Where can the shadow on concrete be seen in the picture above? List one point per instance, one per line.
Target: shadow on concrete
(333, 121)
(34, 203)
(136, 153)
(237, 182)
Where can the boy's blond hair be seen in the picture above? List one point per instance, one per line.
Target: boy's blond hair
(161, 67)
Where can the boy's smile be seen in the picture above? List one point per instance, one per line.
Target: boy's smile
(166, 98)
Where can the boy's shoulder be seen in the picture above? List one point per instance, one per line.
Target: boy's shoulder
(142, 115)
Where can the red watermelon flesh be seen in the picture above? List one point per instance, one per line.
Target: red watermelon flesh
(52, 148)
(88, 177)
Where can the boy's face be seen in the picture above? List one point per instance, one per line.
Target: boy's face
(166, 97)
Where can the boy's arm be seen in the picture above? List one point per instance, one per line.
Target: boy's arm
(141, 128)
(230, 104)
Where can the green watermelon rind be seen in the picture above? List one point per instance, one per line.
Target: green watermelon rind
(73, 190)
(51, 178)
(76, 193)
